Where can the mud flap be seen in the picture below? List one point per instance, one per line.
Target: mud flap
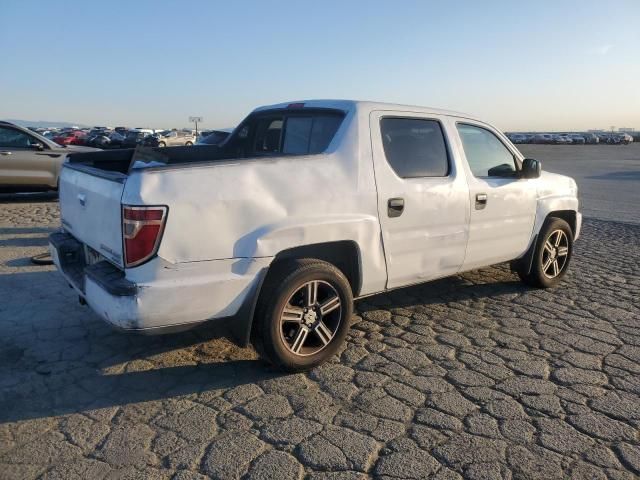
(240, 324)
(524, 263)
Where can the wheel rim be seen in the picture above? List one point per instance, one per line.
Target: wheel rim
(555, 254)
(310, 318)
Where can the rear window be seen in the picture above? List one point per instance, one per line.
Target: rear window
(268, 135)
(415, 147)
(309, 135)
(287, 133)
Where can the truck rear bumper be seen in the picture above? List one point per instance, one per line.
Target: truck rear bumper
(163, 297)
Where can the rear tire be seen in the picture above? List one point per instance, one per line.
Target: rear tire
(188, 144)
(552, 255)
(303, 314)
(162, 144)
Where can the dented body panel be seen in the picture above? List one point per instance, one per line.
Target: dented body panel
(170, 296)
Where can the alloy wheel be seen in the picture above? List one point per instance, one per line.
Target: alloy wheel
(310, 318)
(555, 253)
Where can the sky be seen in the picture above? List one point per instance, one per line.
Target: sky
(545, 65)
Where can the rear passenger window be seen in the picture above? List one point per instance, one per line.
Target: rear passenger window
(415, 147)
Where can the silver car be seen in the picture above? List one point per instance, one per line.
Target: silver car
(577, 138)
(176, 138)
(29, 161)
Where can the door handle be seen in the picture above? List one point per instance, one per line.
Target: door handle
(395, 207)
(5, 153)
(481, 201)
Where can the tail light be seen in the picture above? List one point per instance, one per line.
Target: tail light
(142, 229)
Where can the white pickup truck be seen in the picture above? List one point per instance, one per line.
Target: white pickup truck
(303, 208)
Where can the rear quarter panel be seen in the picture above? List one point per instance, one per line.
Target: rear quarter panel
(256, 208)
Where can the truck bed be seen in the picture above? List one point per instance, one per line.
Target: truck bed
(123, 160)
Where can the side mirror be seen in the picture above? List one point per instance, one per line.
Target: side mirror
(531, 168)
(37, 146)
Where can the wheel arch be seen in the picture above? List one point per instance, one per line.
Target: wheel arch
(568, 216)
(344, 255)
(564, 207)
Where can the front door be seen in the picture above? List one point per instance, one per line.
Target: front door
(503, 205)
(21, 161)
(423, 201)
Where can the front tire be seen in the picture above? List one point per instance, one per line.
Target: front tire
(162, 144)
(188, 144)
(304, 313)
(552, 255)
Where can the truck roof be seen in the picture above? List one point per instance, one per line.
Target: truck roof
(347, 105)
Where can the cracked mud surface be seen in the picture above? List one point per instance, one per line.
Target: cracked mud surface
(474, 376)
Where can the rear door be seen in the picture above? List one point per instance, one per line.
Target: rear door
(90, 208)
(423, 201)
(503, 205)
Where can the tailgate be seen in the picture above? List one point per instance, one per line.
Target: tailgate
(90, 208)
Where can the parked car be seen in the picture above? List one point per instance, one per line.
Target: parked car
(213, 137)
(94, 133)
(116, 139)
(518, 138)
(146, 131)
(605, 138)
(543, 138)
(153, 140)
(50, 134)
(613, 138)
(73, 137)
(562, 139)
(30, 161)
(171, 138)
(625, 138)
(577, 138)
(134, 137)
(305, 207)
(108, 139)
(590, 138)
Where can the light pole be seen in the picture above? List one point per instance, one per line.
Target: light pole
(196, 120)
